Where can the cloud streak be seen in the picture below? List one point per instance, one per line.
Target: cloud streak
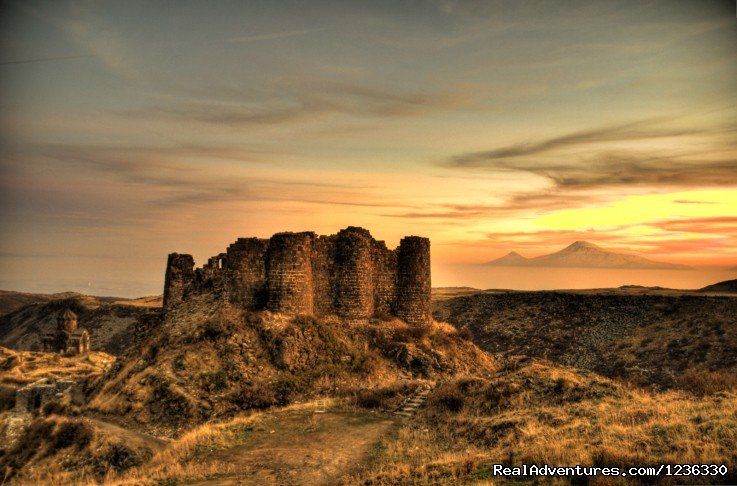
(586, 160)
(516, 203)
(171, 178)
(306, 103)
(271, 36)
(43, 59)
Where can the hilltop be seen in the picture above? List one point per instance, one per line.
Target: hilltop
(11, 300)
(113, 322)
(583, 254)
(725, 286)
(658, 339)
(210, 359)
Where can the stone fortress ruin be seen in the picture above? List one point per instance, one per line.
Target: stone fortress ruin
(349, 274)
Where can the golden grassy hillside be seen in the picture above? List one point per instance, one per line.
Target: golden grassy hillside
(20, 368)
(530, 412)
(534, 412)
(210, 361)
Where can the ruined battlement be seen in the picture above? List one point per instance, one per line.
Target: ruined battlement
(349, 274)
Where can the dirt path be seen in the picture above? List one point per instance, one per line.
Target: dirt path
(303, 447)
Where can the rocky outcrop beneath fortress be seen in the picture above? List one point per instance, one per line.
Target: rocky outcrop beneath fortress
(349, 274)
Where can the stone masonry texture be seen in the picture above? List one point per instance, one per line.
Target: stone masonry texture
(349, 274)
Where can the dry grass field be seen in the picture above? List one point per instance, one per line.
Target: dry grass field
(535, 412)
(214, 395)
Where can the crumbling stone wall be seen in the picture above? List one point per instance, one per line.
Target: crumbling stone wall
(323, 275)
(34, 396)
(179, 278)
(384, 263)
(349, 274)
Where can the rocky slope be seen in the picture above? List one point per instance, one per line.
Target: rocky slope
(662, 340)
(113, 323)
(726, 286)
(209, 360)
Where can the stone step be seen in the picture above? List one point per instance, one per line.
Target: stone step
(411, 404)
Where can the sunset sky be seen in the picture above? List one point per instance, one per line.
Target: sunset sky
(134, 129)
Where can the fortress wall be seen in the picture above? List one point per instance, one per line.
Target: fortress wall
(349, 274)
(323, 275)
(211, 276)
(385, 278)
(245, 266)
(179, 278)
(354, 285)
(289, 273)
(412, 302)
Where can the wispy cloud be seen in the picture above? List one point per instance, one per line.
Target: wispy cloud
(271, 36)
(586, 159)
(307, 102)
(172, 176)
(518, 203)
(647, 129)
(713, 225)
(43, 59)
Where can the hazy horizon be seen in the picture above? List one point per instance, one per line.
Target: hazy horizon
(134, 129)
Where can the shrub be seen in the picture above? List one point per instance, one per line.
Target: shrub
(213, 330)
(561, 385)
(74, 432)
(177, 363)
(466, 334)
(703, 382)
(7, 397)
(406, 334)
(214, 381)
(119, 457)
(259, 395)
(449, 396)
(53, 408)
(287, 386)
(386, 397)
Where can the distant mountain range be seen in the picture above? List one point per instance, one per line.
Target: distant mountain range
(584, 254)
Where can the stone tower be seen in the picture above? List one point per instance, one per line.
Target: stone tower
(67, 321)
(354, 289)
(289, 273)
(179, 278)
(412, 303)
